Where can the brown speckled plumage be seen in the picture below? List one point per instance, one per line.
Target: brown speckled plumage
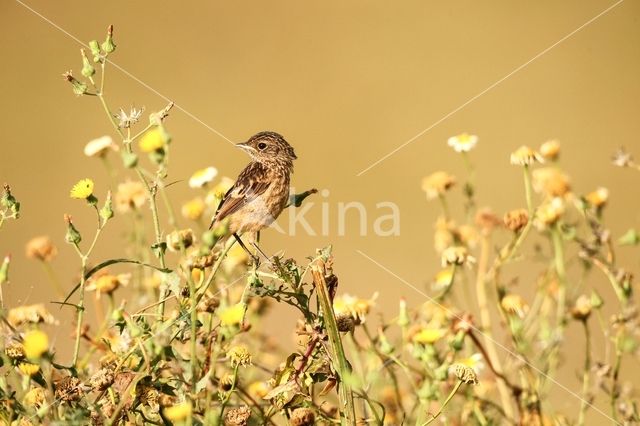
(261, 191)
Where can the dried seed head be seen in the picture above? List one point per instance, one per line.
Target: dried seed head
(237, 416)
(515, 220)
(303, 417)
(68, 389)
(465, 374)
(239, 356)
(102, 379)
(345, 322)
(14, 350)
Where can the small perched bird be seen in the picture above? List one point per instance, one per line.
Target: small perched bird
(261, 191)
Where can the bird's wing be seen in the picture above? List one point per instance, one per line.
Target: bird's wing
(250, 184)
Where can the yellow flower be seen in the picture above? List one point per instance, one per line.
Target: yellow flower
(41, 248)
(130, 196)
(33, 314)
(551, 181)
(35, 398)
(153, 140)
(463, 142)
(259, 389)
(598, 198)
(436, 184)
(443, 278)
(82, 190)
(475, 361)
(514, 304)
(428, 336)
(239, 355)
(100, 146)
(549, 212)
(35, 343)
(550, 149)
(236, 256)
(218, 192)
(202, 177)
(28, 369)
(232, 315)
(525, 156)
(178, 412)
(193, 209)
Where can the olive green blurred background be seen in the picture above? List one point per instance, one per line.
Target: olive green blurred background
(346, 83)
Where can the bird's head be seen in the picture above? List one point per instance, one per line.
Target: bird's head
(269, 147)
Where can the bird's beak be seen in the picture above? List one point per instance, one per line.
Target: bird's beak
(246, 147)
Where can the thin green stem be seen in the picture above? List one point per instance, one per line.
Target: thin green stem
(586, 374)
(444, 404)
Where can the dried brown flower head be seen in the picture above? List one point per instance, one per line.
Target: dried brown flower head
(465, 374)
(41, 248)
(238, 416)
(582, 308)
(69, 389)
(515, 220)
(303, 417)
(31, 314)
(551, 182)
(345, 322)
(14, 350)
(102, 379)
(437, 184)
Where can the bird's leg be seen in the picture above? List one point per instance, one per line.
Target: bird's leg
(256, 259)
(255, 243)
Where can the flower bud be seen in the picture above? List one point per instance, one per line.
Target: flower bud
(8, 201)
(95, 50)
(385, 347)
(87, 69)
(106, 212)
(596, 300)
(109, 46)
(78, 87)
(403, 315)
(72, 236)
(129, 159)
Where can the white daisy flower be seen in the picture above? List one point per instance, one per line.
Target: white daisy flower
(463, 142)
(100, 146)
(202, 177)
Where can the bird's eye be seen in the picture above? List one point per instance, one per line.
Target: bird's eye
(262, 146)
